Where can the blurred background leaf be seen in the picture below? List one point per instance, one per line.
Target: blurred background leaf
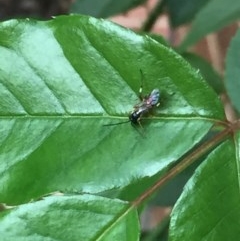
(232, 80)
(183, 11)
(103, 8)
(212, 17)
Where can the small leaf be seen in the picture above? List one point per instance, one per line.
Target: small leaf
(213, 16)
(72, 218)
(233, 72)
(103, 8)
(210, 200)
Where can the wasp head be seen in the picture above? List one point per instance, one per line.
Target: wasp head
(134, 117)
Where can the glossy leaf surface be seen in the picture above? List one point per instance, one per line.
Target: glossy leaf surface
(72, 218)
(213, 16)
(233, 72)
(209, 208)
(63, 80)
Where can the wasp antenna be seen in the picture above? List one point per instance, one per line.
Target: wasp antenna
(118, 123)
(141, 86)
(142, 77)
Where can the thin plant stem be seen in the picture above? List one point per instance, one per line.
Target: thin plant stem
(187, 161)
(153, 16)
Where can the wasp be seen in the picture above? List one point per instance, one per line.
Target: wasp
(148, 102)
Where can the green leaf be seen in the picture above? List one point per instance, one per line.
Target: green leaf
(210, 200)
(63, 80)
(232, 71)
(214, 16)
(183, 11)
(207, 71)
(103, 8)
(72, 218)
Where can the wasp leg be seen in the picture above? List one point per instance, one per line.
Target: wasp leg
(140, 131)
(139, 123)
(140, 95)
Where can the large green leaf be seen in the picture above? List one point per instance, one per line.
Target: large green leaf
(62, 80)
(213, 16)
(209, 208)
(233, 72)
(79, 218)
(103, 8)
